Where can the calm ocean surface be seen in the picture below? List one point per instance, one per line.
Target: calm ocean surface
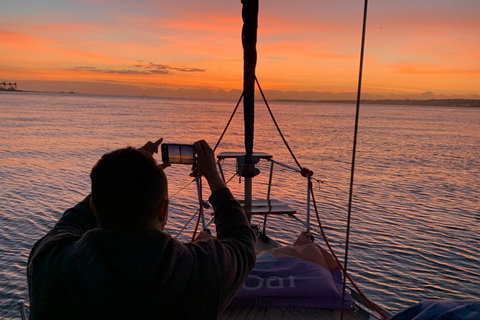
(416, 215)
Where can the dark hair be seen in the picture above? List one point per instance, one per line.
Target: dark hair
(128, 188)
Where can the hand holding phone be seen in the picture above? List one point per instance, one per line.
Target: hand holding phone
(207, 167)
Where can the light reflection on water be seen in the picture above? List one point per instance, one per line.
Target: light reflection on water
(416, 210)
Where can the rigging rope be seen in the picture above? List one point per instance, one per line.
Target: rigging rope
(188, 222)
(200, 208)
(180, 190)
(352, 173)
(228, 123)
(276, 125)
(327, 243)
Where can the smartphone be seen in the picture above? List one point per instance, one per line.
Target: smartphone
(178, 153)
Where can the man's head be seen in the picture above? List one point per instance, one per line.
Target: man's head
(129, 190)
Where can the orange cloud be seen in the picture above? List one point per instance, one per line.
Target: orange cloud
(431, 69)
(18, 41)
(304, 47)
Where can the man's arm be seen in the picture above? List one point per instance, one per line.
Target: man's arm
(73, 224)
(234, 255)
(78, 219)
(44, 263)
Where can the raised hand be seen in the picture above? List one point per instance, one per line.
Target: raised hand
(152, 147)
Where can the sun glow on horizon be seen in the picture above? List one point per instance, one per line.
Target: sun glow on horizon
(192, 45)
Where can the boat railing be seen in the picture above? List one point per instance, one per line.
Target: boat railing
(270, 206)
(308, 202)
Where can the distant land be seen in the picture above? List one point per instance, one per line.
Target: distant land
(473, 103)
(470, 103)
(16, 90)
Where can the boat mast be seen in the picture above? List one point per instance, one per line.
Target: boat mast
(249, 42)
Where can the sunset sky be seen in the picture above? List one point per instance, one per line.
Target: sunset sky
(192, 48)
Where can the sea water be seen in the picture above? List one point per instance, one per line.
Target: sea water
(415, 215)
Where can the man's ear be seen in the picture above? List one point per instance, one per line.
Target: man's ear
(163, 214)
(92, 206)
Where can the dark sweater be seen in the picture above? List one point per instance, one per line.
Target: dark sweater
(78, 271)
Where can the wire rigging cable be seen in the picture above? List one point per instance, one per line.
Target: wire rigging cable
(228, 123)
(352, 172)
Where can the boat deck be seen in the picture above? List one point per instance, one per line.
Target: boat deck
(264, 313)
(272, 313)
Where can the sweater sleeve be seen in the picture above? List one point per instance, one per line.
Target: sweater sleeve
(44, 269)
(237, 255)
(73, 224)
(229, 214)
(78, 219)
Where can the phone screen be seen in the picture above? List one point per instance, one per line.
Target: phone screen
(178, 153)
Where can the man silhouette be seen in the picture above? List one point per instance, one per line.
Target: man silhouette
(108, 257)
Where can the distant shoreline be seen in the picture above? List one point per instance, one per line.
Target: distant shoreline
(466, 103)
(470, 103)
(17, 90)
